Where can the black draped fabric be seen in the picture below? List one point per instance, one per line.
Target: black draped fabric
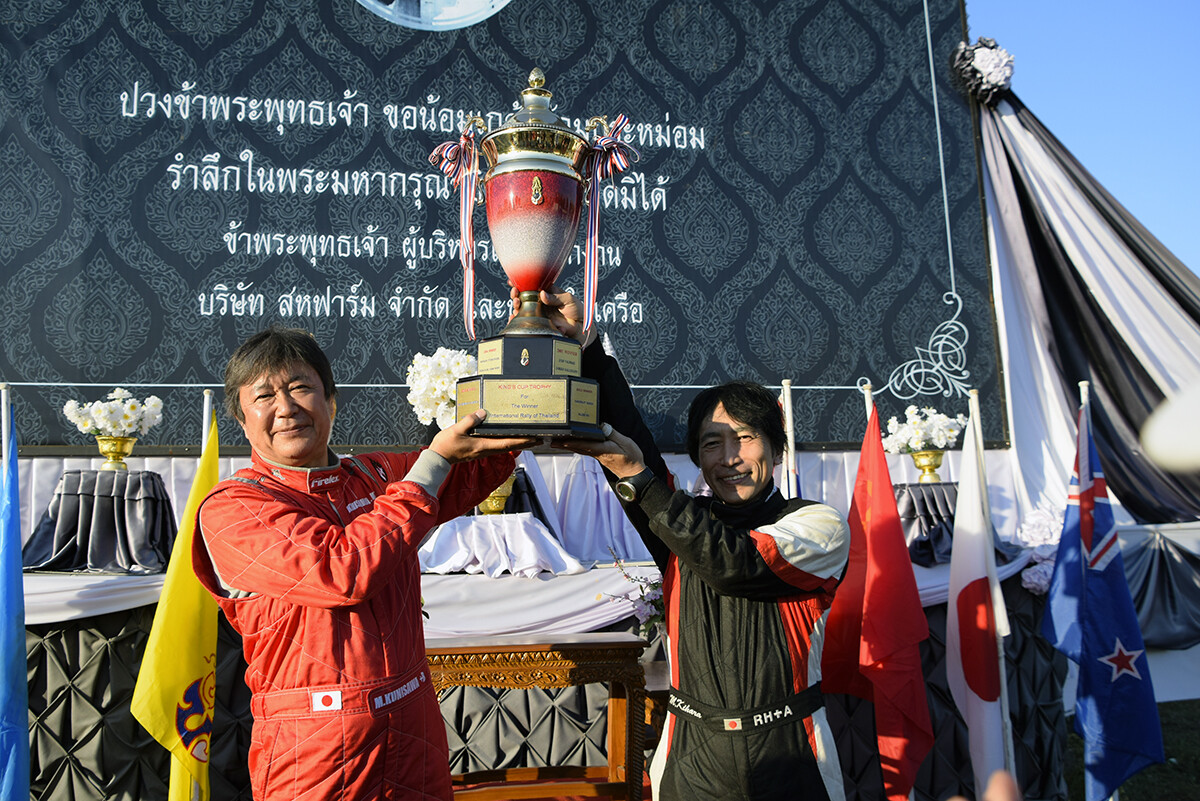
(525, 499)
(1087, 347)
(105, 521)
(926, 514)
(927, 517)
(1164, 581)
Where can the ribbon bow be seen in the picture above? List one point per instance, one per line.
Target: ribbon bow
(460, 162)
(610, 155)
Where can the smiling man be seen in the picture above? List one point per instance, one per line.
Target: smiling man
(313, 560)
(748, 579)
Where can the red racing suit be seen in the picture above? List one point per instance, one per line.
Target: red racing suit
(317, 570)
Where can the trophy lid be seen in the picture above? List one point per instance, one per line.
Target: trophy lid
(535, 105)
(534, 137)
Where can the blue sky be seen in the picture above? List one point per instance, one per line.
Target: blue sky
(1117, 83)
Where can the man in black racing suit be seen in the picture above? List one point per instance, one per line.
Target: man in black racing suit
(748, 579)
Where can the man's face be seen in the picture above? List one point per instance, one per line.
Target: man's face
(736, 460)
(288, 417)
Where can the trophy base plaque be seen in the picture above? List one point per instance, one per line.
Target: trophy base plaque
(531, 387)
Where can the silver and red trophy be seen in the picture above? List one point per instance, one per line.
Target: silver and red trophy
(538, 173)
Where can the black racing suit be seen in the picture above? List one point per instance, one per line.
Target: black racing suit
(747, 591)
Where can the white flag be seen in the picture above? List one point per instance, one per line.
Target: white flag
(976, 618)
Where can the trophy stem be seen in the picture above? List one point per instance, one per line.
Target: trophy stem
(530, 319)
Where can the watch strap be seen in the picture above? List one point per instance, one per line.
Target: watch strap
(630, 488)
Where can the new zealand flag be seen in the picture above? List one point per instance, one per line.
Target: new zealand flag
(1091, 619)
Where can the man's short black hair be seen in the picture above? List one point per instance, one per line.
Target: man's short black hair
(269, 351)
(744, 401)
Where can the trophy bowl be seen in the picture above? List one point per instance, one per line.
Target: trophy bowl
(533, 216)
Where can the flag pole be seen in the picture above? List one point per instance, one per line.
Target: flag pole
(868, 399)
(205, 424)
(1002, 629)
(195, 793)
(4, 390)
(1084, 398)
(206, 419)
(789, 469)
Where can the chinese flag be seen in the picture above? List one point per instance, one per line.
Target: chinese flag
(876, 624)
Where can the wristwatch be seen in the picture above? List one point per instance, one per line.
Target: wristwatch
(630, 489)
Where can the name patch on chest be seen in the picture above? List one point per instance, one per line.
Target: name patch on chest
(360, 503)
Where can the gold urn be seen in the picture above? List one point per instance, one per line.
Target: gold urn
(928, 462)
(115, 450)
(494, 503)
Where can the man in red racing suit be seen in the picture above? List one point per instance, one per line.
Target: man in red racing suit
(313, 560)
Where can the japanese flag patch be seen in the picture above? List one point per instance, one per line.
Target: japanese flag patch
(326, 700)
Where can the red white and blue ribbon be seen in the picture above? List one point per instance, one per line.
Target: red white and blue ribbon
(460, 161)
(610, 155)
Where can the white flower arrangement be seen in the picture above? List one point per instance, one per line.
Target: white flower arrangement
(121, 415)
(1040, 531)
(431, 383)
(922, 430)
(983, 70)
(995, 66)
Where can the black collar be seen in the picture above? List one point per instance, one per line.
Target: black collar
(766, 505)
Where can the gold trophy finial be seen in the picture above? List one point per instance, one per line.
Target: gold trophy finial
(596, 122)
(536, 94)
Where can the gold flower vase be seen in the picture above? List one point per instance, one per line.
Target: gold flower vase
(494, 503)
(114, 450)
(928, 462)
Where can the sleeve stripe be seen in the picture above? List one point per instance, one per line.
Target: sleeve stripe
(814, 536)
(786, 570)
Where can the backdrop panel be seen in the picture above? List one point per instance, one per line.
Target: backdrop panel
(176, 175)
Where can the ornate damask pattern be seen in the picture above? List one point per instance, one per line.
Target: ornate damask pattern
(32, 207)
(177, 174)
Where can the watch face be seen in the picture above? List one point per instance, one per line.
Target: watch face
(626, 491)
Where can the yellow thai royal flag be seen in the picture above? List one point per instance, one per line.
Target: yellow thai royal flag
(176, 686)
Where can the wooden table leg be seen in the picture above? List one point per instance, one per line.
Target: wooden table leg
(636, 745)
(618, 731)
(626, 738)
